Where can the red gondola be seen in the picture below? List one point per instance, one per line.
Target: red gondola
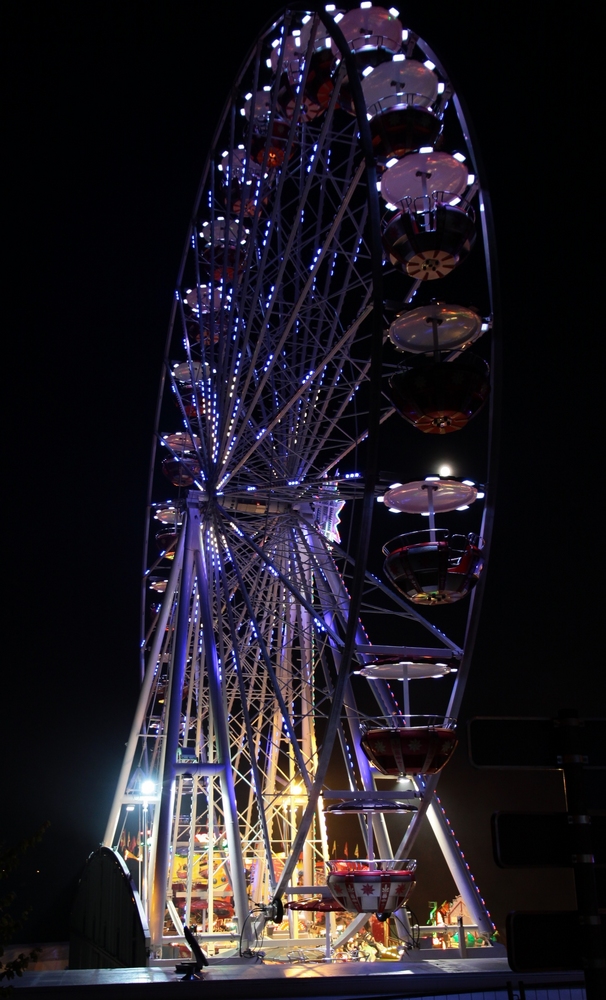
(278, 144)
(371, 886)
(441, 397)
(181, 471)
(220, 252)
(401, 129)
(433, 566)
(431, 236)
(400, 97)
(397, 749)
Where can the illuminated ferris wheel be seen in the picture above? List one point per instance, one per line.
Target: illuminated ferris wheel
(321, 329)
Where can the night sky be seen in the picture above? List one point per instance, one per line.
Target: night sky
(111, 110)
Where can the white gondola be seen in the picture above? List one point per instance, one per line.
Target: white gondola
(421, 175)
(370, 29)
(407, 82)
(436, 327)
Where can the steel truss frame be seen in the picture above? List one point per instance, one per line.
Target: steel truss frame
(247, 684)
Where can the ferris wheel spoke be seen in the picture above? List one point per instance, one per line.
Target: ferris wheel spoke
(330, 582)
(197, 432)
(321, 423)
(374, 585)
(274, 681)
(275, 569)
(270, 370)
(331, 426)
(273, 359)
(354, 717)
(305, 633)
(356, 441)
(304, 390)
(323, 409)
(280, 205)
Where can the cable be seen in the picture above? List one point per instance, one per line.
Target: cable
(415, 936)
(249, 953)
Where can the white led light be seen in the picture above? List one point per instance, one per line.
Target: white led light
(248, 97)
(393, 510)
(379, 186)
(306, 18)
(480, 496)
(429, 64)
(426, 149)
(367, 71)
(471, 178)
(468, 482)
(441, 88)
(296, 31)
(485, 327)
(392, 162)
(399, 57)
(369, 117)
(268, 63)
(405, 34)
(464, 507)
(275, 43)
(339, 17)
(330, 7)
(459, 157)
(266, 90)
(432, 479)
(394, 486)
(365, 5)
(380, 499)
(394, 12)
(390, 207)
(424, 513)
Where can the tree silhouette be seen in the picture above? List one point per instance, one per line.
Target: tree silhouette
(12, 917)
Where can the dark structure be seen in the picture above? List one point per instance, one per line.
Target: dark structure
(108, 927)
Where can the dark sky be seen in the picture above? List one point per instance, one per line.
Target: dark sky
(111, 108)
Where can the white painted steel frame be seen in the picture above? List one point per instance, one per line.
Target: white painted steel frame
(248, 662)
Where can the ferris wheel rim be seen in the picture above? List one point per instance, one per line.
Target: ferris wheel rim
(359, 574)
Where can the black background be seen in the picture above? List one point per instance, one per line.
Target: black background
(111, 107)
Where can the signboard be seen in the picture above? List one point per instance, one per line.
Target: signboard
(511, 742)
(544, 942)
(542, 840)
(565, 940)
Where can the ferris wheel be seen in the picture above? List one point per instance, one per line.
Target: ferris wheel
(322, 324)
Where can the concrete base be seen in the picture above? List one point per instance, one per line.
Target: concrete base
(251, 979)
